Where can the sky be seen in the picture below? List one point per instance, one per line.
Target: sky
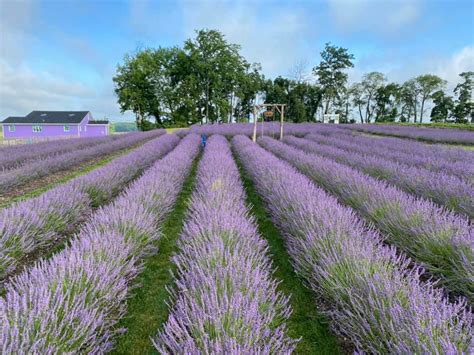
(62, 54)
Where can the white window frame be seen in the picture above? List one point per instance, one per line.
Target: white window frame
(67, 128)
(37, 129)
(11, 128)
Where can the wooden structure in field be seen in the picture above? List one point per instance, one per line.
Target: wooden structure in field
(268, 113)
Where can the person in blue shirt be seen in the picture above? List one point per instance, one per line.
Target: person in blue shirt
(203, 140)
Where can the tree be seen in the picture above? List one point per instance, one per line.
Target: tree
(134, 89)
(386, 102)
(427, 84)
(369, 86)
(443, 104)
(464, 108)
(330, 72)
(356, 92)
(216, 68)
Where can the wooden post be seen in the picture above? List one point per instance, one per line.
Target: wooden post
(254, 136)
(282, 115)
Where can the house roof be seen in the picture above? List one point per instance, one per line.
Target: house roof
(58, 117)
(98, 122)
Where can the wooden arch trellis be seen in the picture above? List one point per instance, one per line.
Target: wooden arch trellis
(269, 112)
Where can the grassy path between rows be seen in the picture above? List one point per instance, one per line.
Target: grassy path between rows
(147, 306)
(305, 321)
(62, 177)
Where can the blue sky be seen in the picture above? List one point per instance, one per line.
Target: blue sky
(62, 55)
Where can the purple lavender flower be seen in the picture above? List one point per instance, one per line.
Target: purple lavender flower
(225, 299)
(71, 303)
(440, 240)
(373, 297)
(54, 163)
(38, 223)
(444, 189)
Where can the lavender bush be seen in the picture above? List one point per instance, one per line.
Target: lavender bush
(13, 157)
(446, 190)
(52, 164)
(433, 135)
(430, 159)
(40, 222)
(372, 296)
(225, 299)
(72, 302)
(440, 240)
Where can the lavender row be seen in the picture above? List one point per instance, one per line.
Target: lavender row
(40, 222)
(373, 147)
(44, 167)
(372, 296)
(438, 239)
(434, 135)
(271, 129)
(409, 147)
(71, 303)
(20, 154)
(225, 300)
(446, 190)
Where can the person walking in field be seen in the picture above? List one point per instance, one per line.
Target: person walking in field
(203, 140)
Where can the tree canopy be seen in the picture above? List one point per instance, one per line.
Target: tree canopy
(208, 80)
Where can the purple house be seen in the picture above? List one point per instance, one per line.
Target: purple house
(54, 124)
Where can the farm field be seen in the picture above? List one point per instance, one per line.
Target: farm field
(333, 240)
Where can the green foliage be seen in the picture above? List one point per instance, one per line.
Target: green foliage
(330, 72)
(443, 104)
(464, 109)
(205, 81)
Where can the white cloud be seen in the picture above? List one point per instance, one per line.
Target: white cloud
(23, 90)
(386, 16)
(276, 37)
(449, 69)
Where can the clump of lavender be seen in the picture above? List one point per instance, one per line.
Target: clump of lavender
(435, 135)
(59, 162)
(17, 155)
(225, 299)
(444, 189)
(438, 239)
(38, 223)
(374, 299)
(410, 153)
(71, 303)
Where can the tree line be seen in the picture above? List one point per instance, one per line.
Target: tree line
(208, 80)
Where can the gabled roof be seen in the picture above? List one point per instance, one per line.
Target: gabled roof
(58, 117)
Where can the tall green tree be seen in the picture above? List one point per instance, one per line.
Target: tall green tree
(370, 84)
(464, 108)
(427, 85)
(356, 93)
(217, 67)
(443, 104)
(135, 90)
(386, 101)
(331, 72)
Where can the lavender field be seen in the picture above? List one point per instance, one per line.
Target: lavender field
(337, 239)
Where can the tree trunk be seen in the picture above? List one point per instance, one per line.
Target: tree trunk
(360, 113)
(422, 107)
(326, 109)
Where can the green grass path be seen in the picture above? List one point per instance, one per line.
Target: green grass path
(305, 321)
(147, 307)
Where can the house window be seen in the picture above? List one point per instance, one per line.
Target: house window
(11, 128)
(66, 128)
(37, 129)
